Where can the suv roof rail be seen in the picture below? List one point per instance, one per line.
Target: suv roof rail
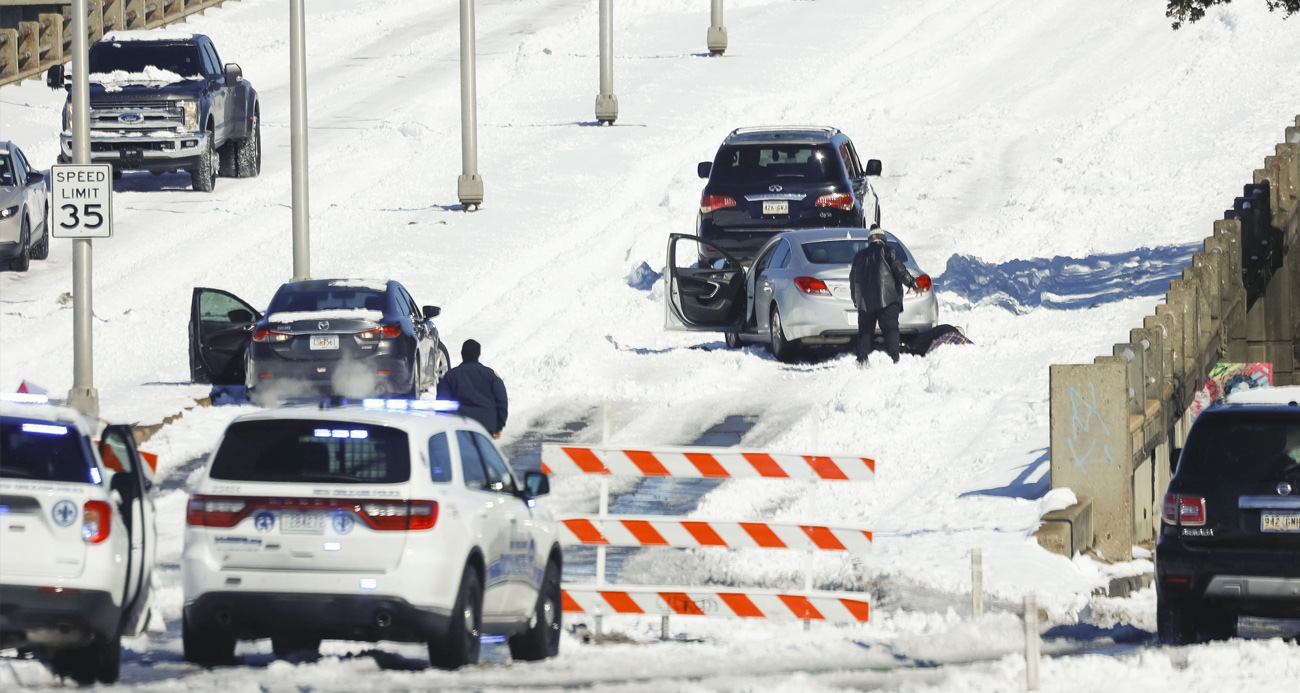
(829, 131)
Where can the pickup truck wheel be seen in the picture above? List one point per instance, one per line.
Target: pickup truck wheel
(247, 153)
(203, 178)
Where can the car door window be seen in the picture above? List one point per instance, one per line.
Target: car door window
(20, 168)
(780, 256)
(219, 307)
(440, 458)
(859, 172)
(762, 262)
(498, 472)
(216, 57)
(407, 303)
(471, 464)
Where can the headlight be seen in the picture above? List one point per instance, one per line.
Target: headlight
(191, 109)
(67, 117)
(6, 213)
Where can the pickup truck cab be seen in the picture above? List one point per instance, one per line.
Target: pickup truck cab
(162, 101)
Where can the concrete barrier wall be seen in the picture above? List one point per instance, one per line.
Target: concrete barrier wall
(1117, 423)
(37, 35)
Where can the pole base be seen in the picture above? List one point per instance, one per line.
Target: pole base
(717, 40)
(469, 188)
(84, 400)
(606, 108)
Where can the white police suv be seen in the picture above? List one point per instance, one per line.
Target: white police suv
(384, 520)
(77, 538)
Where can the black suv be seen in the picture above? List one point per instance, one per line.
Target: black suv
(162, 101)
(1230, 539)
(765, 180)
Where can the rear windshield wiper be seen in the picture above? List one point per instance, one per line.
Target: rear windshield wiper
(328, 476)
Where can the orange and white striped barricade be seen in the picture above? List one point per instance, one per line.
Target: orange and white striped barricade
(829, 607)
(704, 463)
(692, 532)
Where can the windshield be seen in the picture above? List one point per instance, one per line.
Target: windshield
(301, 451)
(135, 56)
(1243, 447)
(841, 251)
(7, 171)
(339, 298)
(44, 451)
(755, 163)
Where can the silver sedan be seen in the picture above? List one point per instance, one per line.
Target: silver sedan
(795, 293)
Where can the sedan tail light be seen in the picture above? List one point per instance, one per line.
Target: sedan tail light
(836, 200)
(1184, 510)
(708, 203)
(812, 286)
(384, 332)
(264, 335)
(924, 283)
(96, 522)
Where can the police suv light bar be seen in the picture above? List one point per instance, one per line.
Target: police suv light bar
(441, 405)
(24, 398)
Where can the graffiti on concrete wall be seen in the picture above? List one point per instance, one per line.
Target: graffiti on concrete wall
(1088, 444)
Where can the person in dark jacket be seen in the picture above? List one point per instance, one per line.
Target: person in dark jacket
(477, 388)
(876, 283)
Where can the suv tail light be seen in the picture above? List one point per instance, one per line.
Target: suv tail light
(208, 511)
(708, 203)
(383, 332)
(226, 511)
(924, 283)
(812, 286)
(264, 335)
(96, 522)
(400, 515)
(1184, 510)
(836, 200)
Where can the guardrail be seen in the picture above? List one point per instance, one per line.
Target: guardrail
(1117, 423)
(37, 35)
(602, 530)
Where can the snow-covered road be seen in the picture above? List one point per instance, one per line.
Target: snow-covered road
(1009, 131)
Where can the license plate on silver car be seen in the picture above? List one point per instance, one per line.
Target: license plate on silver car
(308, 522)
(781, 207)
(324, 341)
(1275, 521)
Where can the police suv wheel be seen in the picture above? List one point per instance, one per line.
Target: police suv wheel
(206, 648)
(460, 645)
(99, 661)
(542, 639)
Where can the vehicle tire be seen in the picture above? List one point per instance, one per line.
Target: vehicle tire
(783, 349)
(203, 177)
(23, 260)
(1174, 623)
(99, 661)
(1215, 623)
(733, 340)
(248, 151)
(41, 250)
(206, 648)
(444, 362)
(285, 646)
(460, 645)
(542, 639)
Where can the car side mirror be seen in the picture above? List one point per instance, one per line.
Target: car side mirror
(240, 315)
(35, 177)
(234, 75)
(54, 77)
(431, 312)
(873, 167)
(536, 484)
(704, 169)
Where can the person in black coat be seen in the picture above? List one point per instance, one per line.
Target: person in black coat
(876, 282)
(477, 388)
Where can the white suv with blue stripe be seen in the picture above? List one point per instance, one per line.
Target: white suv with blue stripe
(387, 520)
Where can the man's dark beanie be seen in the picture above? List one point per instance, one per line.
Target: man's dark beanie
(470, 350)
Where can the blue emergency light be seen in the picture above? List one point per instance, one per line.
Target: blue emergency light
(442, 405)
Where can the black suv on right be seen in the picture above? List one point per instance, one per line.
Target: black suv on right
(765, 180)
(1229, 542)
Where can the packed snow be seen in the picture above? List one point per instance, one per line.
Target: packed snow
(1058, 158)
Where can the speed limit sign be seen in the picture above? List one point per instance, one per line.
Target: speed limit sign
(81, 200)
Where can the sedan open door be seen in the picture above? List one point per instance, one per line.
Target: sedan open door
(702, 299)
(221, 326)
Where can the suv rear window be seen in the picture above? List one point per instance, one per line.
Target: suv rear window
(756, 163)
(841, 252)
(44, 451)
(301, 451)
(1242, 447)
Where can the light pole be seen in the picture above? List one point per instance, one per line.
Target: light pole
(298, 141)
(606, 102)
(83, 396)
(717, 32)
(469, 186)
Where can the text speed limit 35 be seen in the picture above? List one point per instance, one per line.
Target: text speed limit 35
(81, 203)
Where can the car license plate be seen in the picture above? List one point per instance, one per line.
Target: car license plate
(782, 207)
(1279, 522)
(308, 522)
(324, 341)
(852, 317)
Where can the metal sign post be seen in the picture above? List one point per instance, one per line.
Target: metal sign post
(298, 140)
(717, 32)
(469, 186)
(606, 102)
(83, 396)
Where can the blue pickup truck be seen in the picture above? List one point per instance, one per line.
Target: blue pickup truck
(163, 101)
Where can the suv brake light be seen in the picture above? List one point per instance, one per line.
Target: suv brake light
(1184, 510)
(400, 515)
(383, 332)
(708, 203)
(837, 200)
(225, 511)
(264, 335)
(96, 522)
(812, 286)
(208, 511)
